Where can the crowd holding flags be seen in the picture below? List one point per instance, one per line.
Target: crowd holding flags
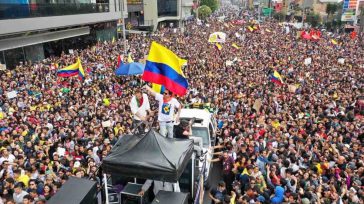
(218, 46)
(334, 42)
(276, 78)
(72, 70)
(129, 68)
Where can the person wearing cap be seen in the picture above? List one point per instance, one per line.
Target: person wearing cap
(140, 108)
(167, 105)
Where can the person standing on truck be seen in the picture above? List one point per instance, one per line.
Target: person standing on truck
(167, 107)
(140, 107)
(184, 131)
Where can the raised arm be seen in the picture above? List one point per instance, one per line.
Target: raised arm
(145, 187)
(150, 90)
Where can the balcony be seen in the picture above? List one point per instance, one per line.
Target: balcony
(16, 11)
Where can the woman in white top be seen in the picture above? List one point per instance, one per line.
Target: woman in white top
(140, 108)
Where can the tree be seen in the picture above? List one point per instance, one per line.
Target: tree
(313, 19)
(330, 10)
(279, 16)
(212, 4)
(204, 11)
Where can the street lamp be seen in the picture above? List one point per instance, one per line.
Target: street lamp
(124, 33)
(197, 6)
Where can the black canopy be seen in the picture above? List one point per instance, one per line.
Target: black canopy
(149, 156)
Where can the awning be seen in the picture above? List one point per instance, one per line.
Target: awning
(11, 43)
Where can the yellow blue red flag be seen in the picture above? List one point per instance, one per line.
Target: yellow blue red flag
(276, 78)
(72, 70)
(165, 67)
(158, 88)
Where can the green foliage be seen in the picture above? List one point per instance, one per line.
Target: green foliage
(331, 8)
(212, 4)
(279, 16)
(204, 12)
(313, 19)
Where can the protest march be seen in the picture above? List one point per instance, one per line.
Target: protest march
(288, 101)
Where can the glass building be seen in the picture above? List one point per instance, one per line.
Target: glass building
(32, 30)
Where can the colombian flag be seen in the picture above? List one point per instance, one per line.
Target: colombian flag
(218, 46)
(234, 45)
(165, 68)
(72, 70)
(276, 78)
(158, 88)
(130, 59)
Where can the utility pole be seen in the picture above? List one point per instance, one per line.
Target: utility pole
(180, 16)
(124, 33)
(303, 13)
(197, 6)
(361, 28)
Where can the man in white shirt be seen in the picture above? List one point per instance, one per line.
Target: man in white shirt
(140, 108)
(6, 155)
(167, 106)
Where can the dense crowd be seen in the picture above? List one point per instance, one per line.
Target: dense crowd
(300, 142)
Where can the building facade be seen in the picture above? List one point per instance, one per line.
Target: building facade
(150, 14)
(32, 30)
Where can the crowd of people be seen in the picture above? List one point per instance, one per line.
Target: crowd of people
(299, 142)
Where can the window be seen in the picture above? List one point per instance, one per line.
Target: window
(203, 133)
(167, 7)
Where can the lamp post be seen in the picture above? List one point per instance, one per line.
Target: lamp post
(124, 33)
(197, 6)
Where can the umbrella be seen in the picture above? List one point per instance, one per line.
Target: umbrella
(133, 68)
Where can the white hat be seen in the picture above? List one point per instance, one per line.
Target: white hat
(77, 164)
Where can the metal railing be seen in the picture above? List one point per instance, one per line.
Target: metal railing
(16, 11)
(146, 23)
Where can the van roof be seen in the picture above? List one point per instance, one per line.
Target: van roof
(197, 113)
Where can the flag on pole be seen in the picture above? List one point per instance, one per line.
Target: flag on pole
(276, 78)
(130, 59)
(165, 67)
(158, 88)
(120, 60)
(353, 35)
(234, 45)
(218, 46)
(72, 70)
